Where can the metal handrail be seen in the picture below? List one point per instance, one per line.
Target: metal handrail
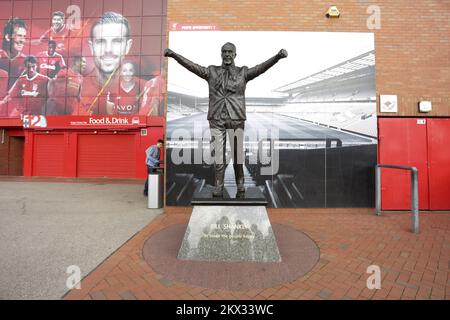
(414, 192)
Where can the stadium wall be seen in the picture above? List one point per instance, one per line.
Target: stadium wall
(411, 42)
(412, 50)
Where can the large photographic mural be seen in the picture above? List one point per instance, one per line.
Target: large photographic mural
(311, 133)
(67, 57)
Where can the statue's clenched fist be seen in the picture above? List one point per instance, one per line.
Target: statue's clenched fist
(168, 53)
(282, 54)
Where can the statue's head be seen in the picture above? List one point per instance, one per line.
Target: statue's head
(228, 54)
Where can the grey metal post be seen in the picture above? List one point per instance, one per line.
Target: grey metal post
(415, 200)
(414, 192)
(378, 190)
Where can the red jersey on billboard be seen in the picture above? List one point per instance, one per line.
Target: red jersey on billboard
(74, 80)
(3, 83)
(28, 95)
(64, 93)
(13, 66)
(94, 96)
(131, 101)
(3, 93)
(143, 98)
(50, 65)
(126, 102)
(60, 37)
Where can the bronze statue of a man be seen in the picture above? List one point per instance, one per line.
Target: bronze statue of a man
(226, 112)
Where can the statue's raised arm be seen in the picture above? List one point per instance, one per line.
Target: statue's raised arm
(202, 72)
(259, 69)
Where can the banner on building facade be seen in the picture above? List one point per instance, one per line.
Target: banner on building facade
(81, 58)
(84, 122)
(311, 131)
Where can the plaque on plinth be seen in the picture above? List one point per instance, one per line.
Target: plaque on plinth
(224, 232)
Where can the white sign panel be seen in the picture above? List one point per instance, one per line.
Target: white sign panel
(388, 103)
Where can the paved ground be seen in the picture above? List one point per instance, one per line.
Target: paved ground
(47, 226)
(412, 266)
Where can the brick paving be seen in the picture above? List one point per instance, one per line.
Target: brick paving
(412, 266)
(300, 254)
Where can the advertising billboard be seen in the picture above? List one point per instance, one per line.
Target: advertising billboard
(310, 135)
(82, 58)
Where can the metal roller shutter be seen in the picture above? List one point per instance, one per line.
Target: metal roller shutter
(403, 142)
(106, 155)
(48, 155)
(439, 160)
(418, 142)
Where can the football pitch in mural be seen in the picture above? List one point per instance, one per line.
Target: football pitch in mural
(81, 58)
(310, 135)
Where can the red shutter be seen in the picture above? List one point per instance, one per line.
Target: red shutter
(403, 142)
(106, 155)
(439, 162)
(48, 155)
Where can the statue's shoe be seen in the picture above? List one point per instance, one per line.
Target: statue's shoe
(218, 193)
(240, 194)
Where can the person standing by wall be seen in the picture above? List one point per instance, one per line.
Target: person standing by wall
(152, 160)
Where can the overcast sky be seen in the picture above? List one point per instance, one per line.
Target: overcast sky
(309, 52)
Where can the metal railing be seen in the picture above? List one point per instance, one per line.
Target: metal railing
(414, 192)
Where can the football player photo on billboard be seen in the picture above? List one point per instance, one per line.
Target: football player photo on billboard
(11, 53)
(59, 32)
(28, 95)
(131, 89)
(50, 62)
(135, 95)
(65, 90)
(105, 87)
(92, 61)
(109, 42)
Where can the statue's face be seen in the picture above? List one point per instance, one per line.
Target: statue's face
(228, 54)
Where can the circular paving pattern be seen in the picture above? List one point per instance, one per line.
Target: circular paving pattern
(299, 254)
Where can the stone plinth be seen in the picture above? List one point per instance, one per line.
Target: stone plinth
(229, 233)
